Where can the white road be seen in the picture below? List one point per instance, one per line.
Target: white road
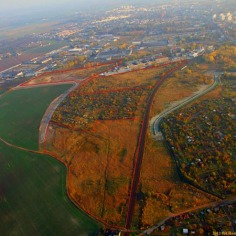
(49, 113)
(155, 121)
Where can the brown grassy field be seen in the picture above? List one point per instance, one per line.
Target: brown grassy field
(100, 166)
(162, 188)
(146, 77)
(100, 158)
(182, 84)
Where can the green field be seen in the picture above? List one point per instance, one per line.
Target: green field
(33, 198)
(21, 112)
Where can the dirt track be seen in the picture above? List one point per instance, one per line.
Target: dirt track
(140, 148)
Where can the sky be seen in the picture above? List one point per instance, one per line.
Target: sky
(21, 7)
(29, 4)
(18, 12)
(26, 5)
(13, 5)
(10, 8)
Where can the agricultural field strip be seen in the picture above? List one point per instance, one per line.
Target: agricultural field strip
(211, 204)
(10, 68)
(155, 121)
(27, 84)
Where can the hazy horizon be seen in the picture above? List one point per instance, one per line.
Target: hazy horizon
(49, 8)
(12, 7)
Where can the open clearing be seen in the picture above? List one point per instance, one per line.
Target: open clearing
(21, 112)
(33, 199)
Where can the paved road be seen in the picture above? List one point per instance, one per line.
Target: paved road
(49, 113)
(155, 130)
(156, 121)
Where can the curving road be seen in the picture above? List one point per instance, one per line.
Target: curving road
(155, 122)
(18, 147)
(156, 132)
(49, 113)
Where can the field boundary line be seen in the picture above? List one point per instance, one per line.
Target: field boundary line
(18, 147)
(76, 204)
(53, 155)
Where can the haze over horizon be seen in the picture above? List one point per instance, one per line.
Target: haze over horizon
(12, 7)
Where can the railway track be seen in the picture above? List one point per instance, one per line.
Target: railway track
(141, 145)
